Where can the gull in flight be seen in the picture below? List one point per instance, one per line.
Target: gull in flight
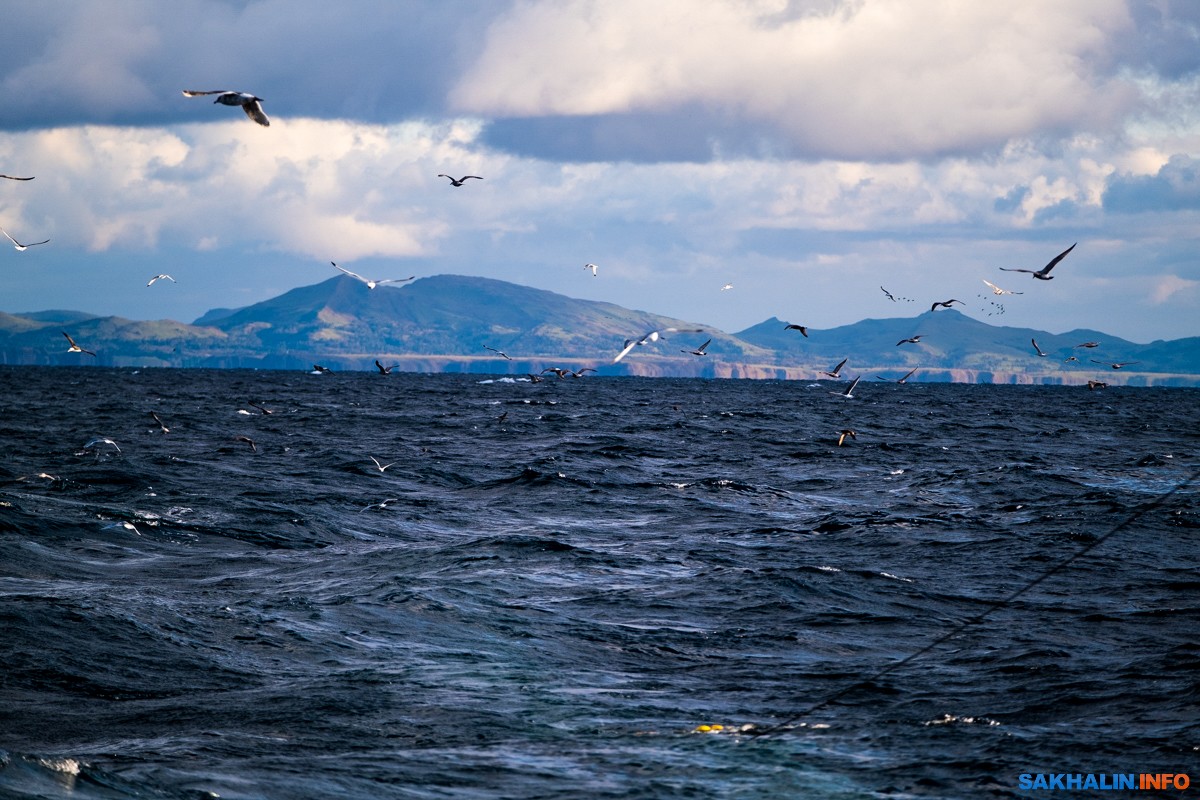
(699, 351)
(380, 467)
(727, 287)
(253, 404)
(1088, 344)
(21, 247)
(319, 370)
(803, 330)
(1097, 385)
(250, 104)
(74, 348)
(501, 353)
(907, 375)
(1114, 366)
(1043, 274)
(837, 371)
(945, 304)
(844, 434)
(849, 389)
(249, 441)
(371, 284)
(98, 441)
(384, 370)
(910, 340)
(592, 267)
(12, 178)
(163, 427)
(997, 290)
(459, 181)
(1038, 349)
(162, 276)
(652, 336)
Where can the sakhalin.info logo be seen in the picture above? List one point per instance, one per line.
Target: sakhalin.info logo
(1116, 780)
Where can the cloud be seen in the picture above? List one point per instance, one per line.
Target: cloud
(1167, 286)
(878, 80)
(1175, 187)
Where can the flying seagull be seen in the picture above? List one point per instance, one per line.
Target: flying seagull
(250, 104)
(371, 284)
(907, 375)
(844, 434)
(249, 441)
(164, 428)
(12, 178)
(1070, 359)
(652, 336)
(384, 370)
(253, 404)
(380, 467)
(1088, 344)
(459, 181)
(849, 389)
(501, 353)
(317, 368)
(910, 340)
(1114, 366)
(74, 348)
(162, 276)
(1038, 349)
(803, 330)
(1043, 274)
(727, 287)
(100, 440)
(837, 371)
(1097, 385)
(997, 290)
(945, 304)
(21, 247)
(699, 351)
(592, 267)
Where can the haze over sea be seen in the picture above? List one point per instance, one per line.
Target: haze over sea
(555, 585)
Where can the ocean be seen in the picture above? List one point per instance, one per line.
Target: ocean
(596, 587)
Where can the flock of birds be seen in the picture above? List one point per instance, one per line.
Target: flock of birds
(252, 105)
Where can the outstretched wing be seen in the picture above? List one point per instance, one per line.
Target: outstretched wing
(254, 111)
(194, 93)
(351, 274)
(1057, 259)
(12, 178)
(397, 280)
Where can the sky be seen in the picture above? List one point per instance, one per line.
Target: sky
(808, 152)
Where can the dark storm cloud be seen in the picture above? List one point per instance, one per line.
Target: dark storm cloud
(125, 61)
(1175, 187)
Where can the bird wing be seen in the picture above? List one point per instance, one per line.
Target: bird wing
(396, 280)
(6, 236)
(1016, 269)
(254, 111)
(351, 274)
(704, 346)
(194, 93)
(1046, 269)
(857, 378)
(13, 178)
(841, 364)
(889, 294)
(476, 177)
(629, 345)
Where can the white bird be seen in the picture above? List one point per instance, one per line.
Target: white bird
(100, 440)
(250, 104)
(162, 276)
(20, 247)
(592, 267)
(849, 389)
(371, 284)
(74, 348)
(652, 336)
(726, 287)
(997, 290)
(380, 467)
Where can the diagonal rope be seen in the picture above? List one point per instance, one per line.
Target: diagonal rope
(1136, 514)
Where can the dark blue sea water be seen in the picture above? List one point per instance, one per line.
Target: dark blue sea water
(554, 586)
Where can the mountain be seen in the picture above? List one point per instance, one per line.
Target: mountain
(448, 322)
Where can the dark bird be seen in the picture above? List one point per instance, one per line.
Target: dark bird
(250, 104)
(371, 283)
(248, 441)
(803, 330)
(907, 375)
(559, 371)
(74, 348)
(837, 371)
(910, 340)
(322, 370)
(501, 353)
(21, 248)
(945, 304)
(1043, 274)
(849, 389)
(1069, 359)
(1088, 344)
(384, 370)
(1114, 366)
(699, 351)
(459, 181)
(535, 378)
(652, 336)
(1038, 349)
(260, 408)
(1097, 385)
(843, 434)
(163, 427)
(12, 178)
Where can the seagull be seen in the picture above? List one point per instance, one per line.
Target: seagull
(380, 467)
(260, 408)
(248, 441)
(164, 428)
(849, 389)
(844, 434)
(945, 304)
(160, 277)
(1114, 366)
(1038, 349)
(384, 370)
(100, 440)
(1069, 360)
(1097, 385)
(803, 330)
(501, 353)
(652, 336)
(371, 284)
(910, 340)
(12, 178)
(907, 375)
(249, 103)
(317, 368)
(592, 267)
(74, 348)
(21, 248)
(1043, 274)
(726, 287)
(1088, 344)
(459, 182)
(837, 371)
(997, 290)
(699, 351)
